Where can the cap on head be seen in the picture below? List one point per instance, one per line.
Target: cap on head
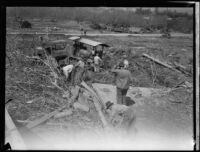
(121, 65)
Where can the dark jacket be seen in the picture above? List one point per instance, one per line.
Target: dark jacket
(123, 78)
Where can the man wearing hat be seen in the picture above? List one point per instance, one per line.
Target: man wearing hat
(121, 116)
(123, 79)
(125, 61)
(78, 71)
(97, 61)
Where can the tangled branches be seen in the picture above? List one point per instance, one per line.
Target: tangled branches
(27, 75)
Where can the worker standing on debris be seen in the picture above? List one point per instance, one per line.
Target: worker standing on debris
(121, 116)
(97, 61)
(123, 79)
(78, 71)
(90, 64)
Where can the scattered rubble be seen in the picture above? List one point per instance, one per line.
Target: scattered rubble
(58, 105)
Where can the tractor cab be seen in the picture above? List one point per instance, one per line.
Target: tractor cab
(86, 48)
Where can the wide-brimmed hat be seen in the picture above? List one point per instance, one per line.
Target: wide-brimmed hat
(109, 104)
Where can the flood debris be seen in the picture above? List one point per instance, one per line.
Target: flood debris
(51, 101)
(48, 116)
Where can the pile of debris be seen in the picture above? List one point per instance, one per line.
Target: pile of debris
(49, 101)
(83, 106)
(42, 96)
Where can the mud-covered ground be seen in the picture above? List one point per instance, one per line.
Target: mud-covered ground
(163, 117)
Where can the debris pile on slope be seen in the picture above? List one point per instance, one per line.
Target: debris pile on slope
(44, 100)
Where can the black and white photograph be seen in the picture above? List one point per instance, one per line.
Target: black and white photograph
(101, 78)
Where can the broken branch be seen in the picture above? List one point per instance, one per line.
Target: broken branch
(48, 116)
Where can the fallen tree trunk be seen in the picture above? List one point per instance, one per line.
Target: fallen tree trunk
(98, 104)
(182, 68)
(165, 64)
(48, 116)
(98, 95)
(101, 115)
(93, 93)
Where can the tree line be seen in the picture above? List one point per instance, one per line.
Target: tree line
(144, 18)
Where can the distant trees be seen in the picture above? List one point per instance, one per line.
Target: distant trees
(181, 22)
(143, 11)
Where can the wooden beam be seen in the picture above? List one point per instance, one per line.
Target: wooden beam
(98, 104)
(182, 68)
(158, 62)
(93, 93)
(163, 64)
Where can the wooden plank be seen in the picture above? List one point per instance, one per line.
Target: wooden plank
(179, 68)
(182, 69)
(16, 141)
(48, 116)
(161, 63)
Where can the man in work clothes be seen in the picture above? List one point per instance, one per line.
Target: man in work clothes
(78, 71)
(122, 80)
(97, 61)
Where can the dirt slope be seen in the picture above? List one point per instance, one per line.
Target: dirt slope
(158, 119)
